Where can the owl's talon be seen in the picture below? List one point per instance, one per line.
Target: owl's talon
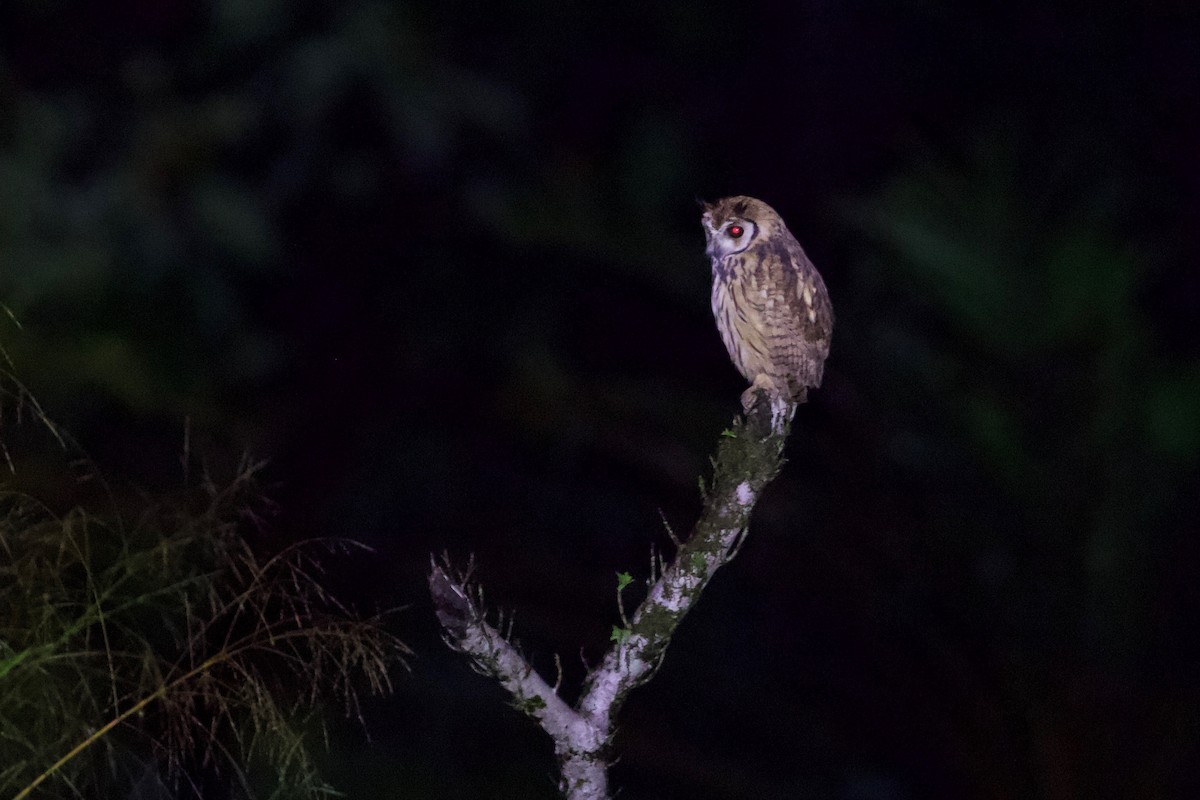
(749, 399)
(764, 385)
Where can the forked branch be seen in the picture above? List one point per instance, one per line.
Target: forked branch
(749, 456)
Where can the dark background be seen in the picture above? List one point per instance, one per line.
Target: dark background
(440, 263)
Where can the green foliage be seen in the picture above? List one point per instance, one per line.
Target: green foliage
(619, 634)
(170, 648)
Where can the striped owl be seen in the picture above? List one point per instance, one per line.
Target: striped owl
(771, 305)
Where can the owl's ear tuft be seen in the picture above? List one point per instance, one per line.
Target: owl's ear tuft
(704, 204)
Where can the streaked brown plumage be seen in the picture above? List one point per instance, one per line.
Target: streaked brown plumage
(771, 306)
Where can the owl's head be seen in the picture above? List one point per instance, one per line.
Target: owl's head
(733, 224)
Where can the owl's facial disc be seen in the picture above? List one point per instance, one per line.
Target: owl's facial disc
(732, 236)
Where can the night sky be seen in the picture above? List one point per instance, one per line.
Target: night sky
(440, 264)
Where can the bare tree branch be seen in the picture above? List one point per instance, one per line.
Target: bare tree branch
(749, 456)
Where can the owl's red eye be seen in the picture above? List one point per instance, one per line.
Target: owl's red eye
(736, 231)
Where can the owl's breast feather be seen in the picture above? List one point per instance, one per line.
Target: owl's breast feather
(738, 310)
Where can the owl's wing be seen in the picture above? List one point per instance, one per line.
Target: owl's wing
(799, 318)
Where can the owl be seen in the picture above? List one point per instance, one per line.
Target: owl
(771, 305)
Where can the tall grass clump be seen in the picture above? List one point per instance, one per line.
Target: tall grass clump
(170, 652)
